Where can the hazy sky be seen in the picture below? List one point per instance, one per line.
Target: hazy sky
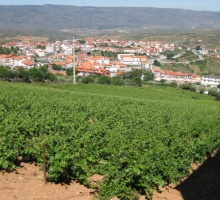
(209, 5)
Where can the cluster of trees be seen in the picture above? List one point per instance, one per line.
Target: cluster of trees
(57, 67)
(198, 47)
(170, 53)
(157, 63)
(109, 54)
(140, 54)
(187, 86)
(5, 50)
(215, 93)
(212, 91)
(104, 45)
(82, 41)
(41, 47)
(134, 78)
(193, 87)
(34, 74)
(69, 71)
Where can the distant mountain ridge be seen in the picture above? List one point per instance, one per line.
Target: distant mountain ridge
(57, 17)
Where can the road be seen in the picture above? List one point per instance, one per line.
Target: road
(163, 59)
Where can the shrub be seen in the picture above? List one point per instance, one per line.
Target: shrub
(185, 86)
(162, 81)
(62, 79)
(218, 96)
(87, 79)
(36, 74)
(173, 84)
(192, 88)
(136, 81)
(117, 81)
(157, 63)
(104, 80)
(201, 90)
(213, 91)
(4, 72)
(52, 78)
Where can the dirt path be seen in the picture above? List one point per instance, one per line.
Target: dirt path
(27, 183)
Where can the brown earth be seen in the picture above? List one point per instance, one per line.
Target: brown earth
(20, 38)
(26, 183)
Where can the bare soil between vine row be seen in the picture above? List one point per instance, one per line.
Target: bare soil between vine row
(26, 183)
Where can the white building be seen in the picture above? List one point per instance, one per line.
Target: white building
(40, 52)
(50, 48)
(131, 59)
(212, 80)
(146, 65)
(16, 61)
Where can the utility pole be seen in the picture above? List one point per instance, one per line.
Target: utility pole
(74, 67)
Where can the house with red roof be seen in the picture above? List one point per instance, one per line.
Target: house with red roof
(131, 59)
(180, 77)
(27, 64)
(4, 59)
(16, 60)
(87, 68)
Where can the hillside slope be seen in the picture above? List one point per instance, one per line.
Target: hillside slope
(57, 17)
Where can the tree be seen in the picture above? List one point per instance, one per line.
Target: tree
(198, 48)
(169, 54)
(5, 50)
(162, 81)
(7, 73)
(201, 90)
(52, 78)
(131, 74)
(136, 76)
(136, 81)
(173, 84)
(69, 71)
(36, 74)
(12, 74)
(4, 72)
(157, 63)
(82, 41)
(213, 91)
(44, 70)
(117, 81)
(147, 75)
(57, 67)
(104, 80)
(218, 86)
(185, 86)
(218, 96)
(24, 75)
(88, 79)
(41, 47)
(192, 88)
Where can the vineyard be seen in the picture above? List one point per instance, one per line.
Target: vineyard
(138, 138)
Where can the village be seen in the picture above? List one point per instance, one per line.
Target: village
(105, 57)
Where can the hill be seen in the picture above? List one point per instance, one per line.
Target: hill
(59, 17)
